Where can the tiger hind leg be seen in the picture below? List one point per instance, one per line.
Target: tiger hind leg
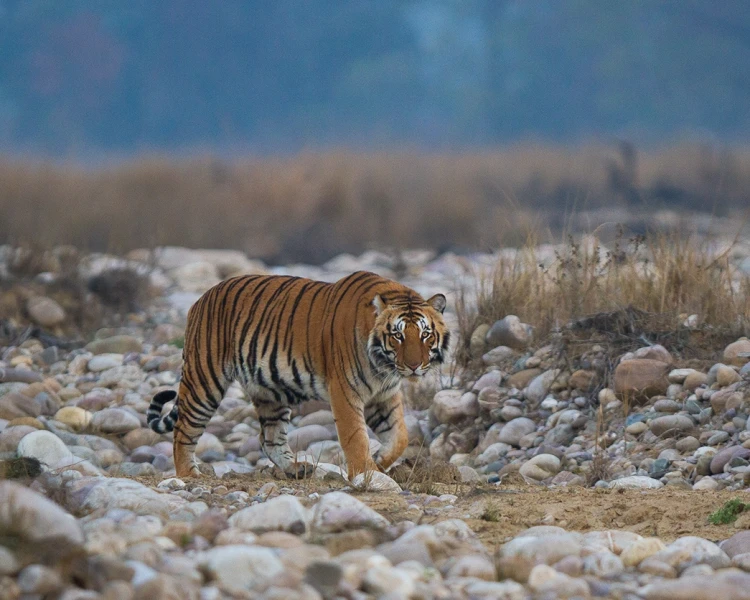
(274, 425)
(194, 413)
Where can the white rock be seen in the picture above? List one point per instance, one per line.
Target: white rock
(241, 568)
(46, 447)
(636, 482)
(539, 387)
(546, 580)
(115, 420)
(338, 511)
(375, 481)
(509, 331)
(514, 430)
(283, 513)
(381, 580)
(453, 406)
(540, 467)
(102, 362)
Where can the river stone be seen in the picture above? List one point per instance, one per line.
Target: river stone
(45, 311)
(115, 420)
(540, 385)
(522, 379)
(74, 417)
(15, 405)
(302, 437)
(726, 376)
(691, 550)
(46, 447)
(283, 513)
(40, 525)
(492, 379)
(104, 362)
(239, 569)
(514, 430)
(338, 511)
(498, 356)
(116, 344)
(739, 543)
(641, 378)
(517, 558)
(636, 482)
(375, 481)
(738, 353)
(454, 406)
(725, 455)
(477, 343)
(540, 467)
(640, 550)
(509, 331)
(670, 425)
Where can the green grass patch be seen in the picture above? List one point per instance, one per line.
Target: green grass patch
(728, 513)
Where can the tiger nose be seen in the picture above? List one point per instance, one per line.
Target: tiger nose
(414, 366)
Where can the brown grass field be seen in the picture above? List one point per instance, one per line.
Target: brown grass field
(314, 205)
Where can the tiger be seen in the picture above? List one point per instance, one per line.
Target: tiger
(288, 340)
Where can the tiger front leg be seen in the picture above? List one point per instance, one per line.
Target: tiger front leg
(386, 418)
(348, 413)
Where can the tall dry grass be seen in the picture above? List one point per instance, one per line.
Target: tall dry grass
(312, 206)
(669, 275)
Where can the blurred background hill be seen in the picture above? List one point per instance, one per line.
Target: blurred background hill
(116, 117)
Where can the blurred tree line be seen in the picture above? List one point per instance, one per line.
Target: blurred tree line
(84, 76)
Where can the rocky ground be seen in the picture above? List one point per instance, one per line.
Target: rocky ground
(574, 468)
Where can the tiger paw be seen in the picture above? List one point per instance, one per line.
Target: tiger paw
(300, 470)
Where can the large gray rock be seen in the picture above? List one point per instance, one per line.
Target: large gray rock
(517, 558)
(671, 425)
(283, 513)
(239, 569)
(636, 482)
(46, 447)
(739, 543)
(101, 494)
(513, 431)
(338, 511)
(302, 437)
(454, 406)
(115, 420)
(725, 455)
(509, 331)
(641, 378)
(39, 526)
(540, 467)
(540, 385)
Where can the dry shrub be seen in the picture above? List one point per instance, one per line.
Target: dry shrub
(664, 277)
(313, 206)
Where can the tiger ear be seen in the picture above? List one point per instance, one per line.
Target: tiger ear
(437, 302)
(378, 303)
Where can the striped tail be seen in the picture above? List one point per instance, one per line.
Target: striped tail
(153, 416)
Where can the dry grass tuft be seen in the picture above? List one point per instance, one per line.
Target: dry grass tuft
(652, 282)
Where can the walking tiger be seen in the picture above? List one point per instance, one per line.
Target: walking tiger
(290, 339)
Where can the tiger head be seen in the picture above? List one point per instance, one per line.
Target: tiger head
(409, 336)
